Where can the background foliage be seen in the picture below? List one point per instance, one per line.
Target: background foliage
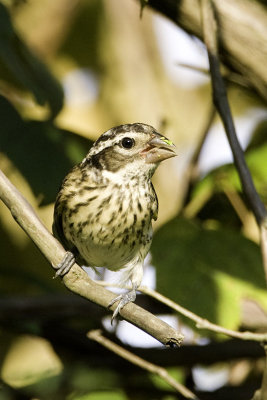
(70, 70)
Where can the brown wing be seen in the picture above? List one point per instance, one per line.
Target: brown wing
(60, 208)
(58, 225)
(155, 204)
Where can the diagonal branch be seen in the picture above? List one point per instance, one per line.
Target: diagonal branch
(77, 280)
(97, 336)
(243, 32)
(201, 323)
(210, 34)
(261, 394)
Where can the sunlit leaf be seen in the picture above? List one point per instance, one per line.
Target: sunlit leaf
(208, 271)
(103, 395)
(225, 178)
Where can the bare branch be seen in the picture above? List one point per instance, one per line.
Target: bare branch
(243, 32)
(261, 394)
(140, 362)
(243, 29)
(201, 323)
(263, 235)
(45, 309)
(220, 99)
(77, 280)
(210, 33)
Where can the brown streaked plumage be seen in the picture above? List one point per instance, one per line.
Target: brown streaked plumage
(106, 204)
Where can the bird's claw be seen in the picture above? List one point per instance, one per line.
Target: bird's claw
(123, 299)
(65, 265)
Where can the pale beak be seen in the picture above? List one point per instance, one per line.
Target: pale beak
(159, 148)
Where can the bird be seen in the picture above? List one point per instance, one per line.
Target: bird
(104, 209)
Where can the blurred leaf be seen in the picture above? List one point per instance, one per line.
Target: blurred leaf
(259, 136)
(102, 395)
(23, 269)
(42, 152)
(86, 379)
(226, 177)
(218, 208)
(82, 42)
(22, 368)
(174, 372)
(257, 163)
(208, 271)
(25, 68)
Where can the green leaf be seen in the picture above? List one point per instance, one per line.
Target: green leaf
(176, 373)
(42, 152)
(208, 271)
(86, 379)
(227, 177)
(25, 68)
(102, 395)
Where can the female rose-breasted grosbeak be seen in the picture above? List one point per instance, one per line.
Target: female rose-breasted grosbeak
(106, 203)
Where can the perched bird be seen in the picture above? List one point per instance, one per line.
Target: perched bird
(106, 204)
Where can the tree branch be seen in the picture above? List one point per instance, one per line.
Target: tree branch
(210, 34)
(140, 362)
(77, 280)
(46, 309)
(261, 394)
(201, 323)
(243, 29)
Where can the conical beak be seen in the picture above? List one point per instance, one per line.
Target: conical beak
(159, 148)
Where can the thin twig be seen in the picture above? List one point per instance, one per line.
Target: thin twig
(77, 280)
(263, 235)
(210, 32)
(264, 378)
(261, 394)
(236, 202)
(201, 323)
(140, 362)
(243, 32)
(230, 76)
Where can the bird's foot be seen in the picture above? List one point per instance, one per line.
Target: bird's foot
(65, 265)
(123, 299)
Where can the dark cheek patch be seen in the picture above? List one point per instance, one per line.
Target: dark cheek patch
(95, 159)
(114, 161)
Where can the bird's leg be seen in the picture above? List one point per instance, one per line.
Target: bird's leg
(123, 299)
(65, 265)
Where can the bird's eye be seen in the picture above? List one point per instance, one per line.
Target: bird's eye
(127, 142)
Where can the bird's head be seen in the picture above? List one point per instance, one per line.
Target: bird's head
(130, 150)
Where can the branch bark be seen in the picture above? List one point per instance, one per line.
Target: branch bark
(261, 394)
(211, 33)
(97, 336)
(77, 280)
(242, 26)
(202, 323)
(243, 32)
